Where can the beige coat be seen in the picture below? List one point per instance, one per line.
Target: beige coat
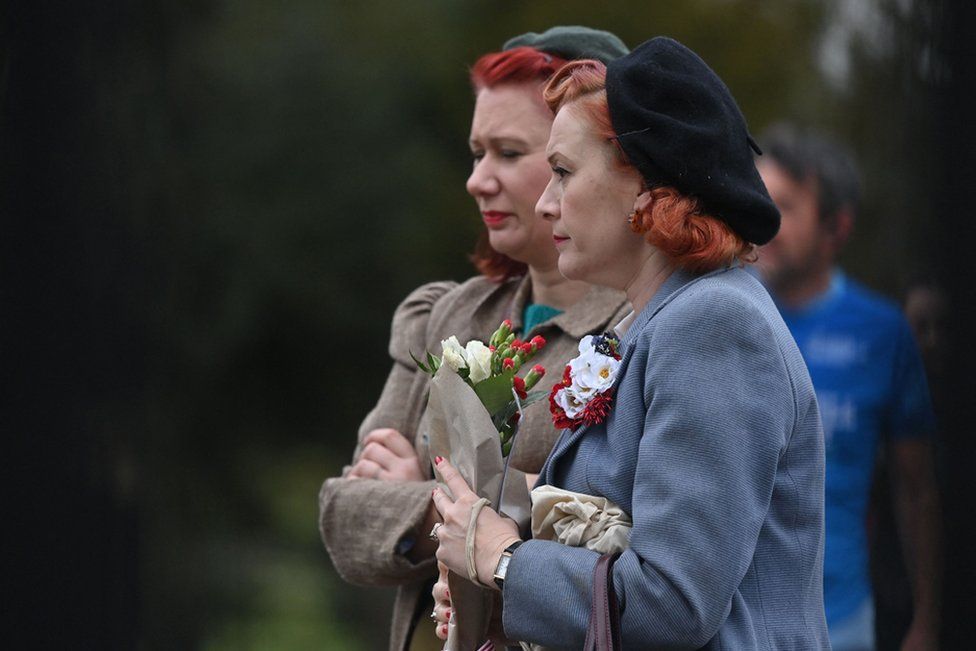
(363, 520)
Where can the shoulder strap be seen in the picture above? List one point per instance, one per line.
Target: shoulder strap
(603, 633)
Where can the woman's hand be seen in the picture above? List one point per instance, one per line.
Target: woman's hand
(442, 603)
(387, 455)
(493, 534)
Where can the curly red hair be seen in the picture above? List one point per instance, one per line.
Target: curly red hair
(518, 65)
(674, 223)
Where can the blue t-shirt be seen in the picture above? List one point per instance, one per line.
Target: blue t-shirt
(871, 387)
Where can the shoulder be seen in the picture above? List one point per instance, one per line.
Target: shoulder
(870, 304)
(721, 325)
(474, 291)
(876, 321)
(411, 318)
(456, 310)
(437, 308)
(728, 302)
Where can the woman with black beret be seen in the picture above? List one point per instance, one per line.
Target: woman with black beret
(694, 423)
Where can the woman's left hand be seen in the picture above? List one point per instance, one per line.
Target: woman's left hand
(493, 533)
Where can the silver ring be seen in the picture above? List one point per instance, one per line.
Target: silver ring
(433, 531)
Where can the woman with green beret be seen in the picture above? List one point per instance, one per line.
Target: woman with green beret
(375, 518)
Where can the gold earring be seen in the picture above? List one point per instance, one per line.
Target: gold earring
(635, 223)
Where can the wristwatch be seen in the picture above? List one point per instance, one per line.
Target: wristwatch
(502, 568)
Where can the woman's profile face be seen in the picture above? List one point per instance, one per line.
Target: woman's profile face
(509, 132)
(588, 200)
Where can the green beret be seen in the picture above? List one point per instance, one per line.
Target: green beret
(572, 42)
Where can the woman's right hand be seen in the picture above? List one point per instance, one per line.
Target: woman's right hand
(442, 603)
(387, 455)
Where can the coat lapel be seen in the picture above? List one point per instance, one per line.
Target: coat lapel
(675, 283)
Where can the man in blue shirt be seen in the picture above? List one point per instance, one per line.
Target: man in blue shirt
(869, 380)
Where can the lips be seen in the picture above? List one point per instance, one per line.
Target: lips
(494, 217)
(559, 239)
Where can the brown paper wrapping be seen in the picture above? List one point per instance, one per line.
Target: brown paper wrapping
(459, 428)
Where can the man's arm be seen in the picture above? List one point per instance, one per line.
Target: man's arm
(919, 523)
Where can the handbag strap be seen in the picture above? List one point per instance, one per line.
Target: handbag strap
(603, 633)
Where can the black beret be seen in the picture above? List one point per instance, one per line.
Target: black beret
(572, 42)
(679, 126)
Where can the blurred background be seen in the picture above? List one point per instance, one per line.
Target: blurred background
(212, 207)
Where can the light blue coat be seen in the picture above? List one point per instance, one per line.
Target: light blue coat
(714, 447)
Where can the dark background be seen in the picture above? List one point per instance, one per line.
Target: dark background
(210, 210)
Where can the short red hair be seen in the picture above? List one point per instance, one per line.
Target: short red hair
(520, 65)
(674, 223)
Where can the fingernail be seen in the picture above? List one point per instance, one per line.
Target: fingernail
(448, 613)
(447, 593)
(437, 460)
(444, 629)
(433, 492)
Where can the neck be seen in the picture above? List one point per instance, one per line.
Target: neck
(549, 287)
(801, 291)
(648, 279)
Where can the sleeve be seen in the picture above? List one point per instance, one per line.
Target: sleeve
(362, 521)
(718, 407)
(910, 413)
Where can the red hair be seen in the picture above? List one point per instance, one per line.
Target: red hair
(673, 223)
(518, 65)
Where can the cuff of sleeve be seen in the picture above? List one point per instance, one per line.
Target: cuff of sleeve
(363, 523)
(538, 570)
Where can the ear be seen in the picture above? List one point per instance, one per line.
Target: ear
(643, 202)
(843, 225)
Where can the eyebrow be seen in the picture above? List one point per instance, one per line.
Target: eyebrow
(551, 157)
(498, 141)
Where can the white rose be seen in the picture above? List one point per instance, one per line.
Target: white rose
(598, 374)
(478, 356)
(452, 353)
(579, 371)
(586, 345)
(570, 402)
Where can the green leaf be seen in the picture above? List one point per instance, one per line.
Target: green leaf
(502, 416)
(495, 392)
(421, 364)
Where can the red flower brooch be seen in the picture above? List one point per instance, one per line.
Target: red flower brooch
(585, 394)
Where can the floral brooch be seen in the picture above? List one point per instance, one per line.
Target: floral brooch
(586, 391)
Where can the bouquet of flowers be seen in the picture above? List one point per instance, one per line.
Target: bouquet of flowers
(492, 372)
(475, 404)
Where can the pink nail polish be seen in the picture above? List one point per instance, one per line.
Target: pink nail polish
(437, 460)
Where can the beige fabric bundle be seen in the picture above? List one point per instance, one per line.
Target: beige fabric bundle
(579, 520)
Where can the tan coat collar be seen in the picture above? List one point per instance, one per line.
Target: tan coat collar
(593, 313)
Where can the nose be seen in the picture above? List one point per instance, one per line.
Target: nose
(483, 182)
(547, 207)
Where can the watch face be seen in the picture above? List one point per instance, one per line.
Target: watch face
(502, 566)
